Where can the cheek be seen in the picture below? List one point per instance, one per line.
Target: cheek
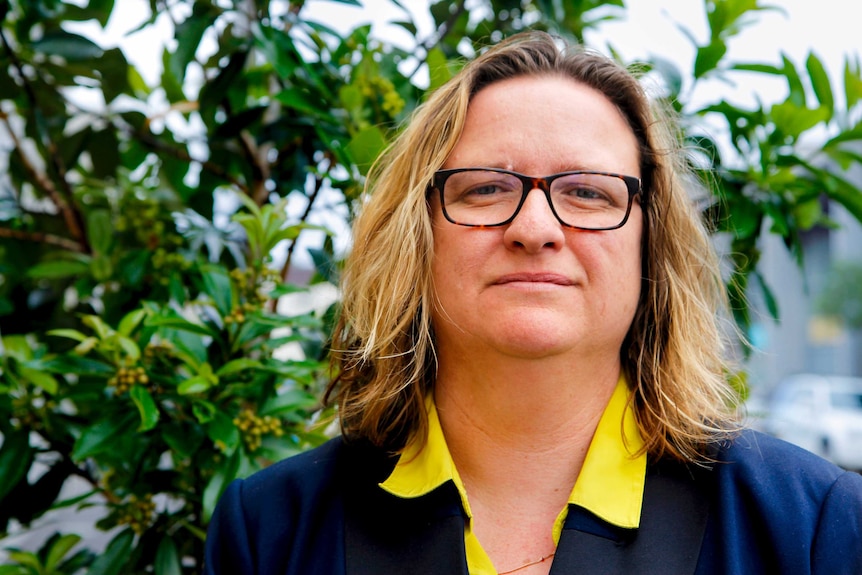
(613, 266)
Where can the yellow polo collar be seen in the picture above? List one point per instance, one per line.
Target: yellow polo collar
(610, 484)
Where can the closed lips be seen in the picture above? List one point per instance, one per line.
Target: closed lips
(549, 278)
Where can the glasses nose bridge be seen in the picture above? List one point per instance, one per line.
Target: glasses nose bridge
(531, 183)
(535, 183)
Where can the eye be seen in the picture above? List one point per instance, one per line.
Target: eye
(486, 189)
(582, 192)
(478, 187)
(590, 191)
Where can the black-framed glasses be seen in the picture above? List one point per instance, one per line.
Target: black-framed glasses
(489, 197)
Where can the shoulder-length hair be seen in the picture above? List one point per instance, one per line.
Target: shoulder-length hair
(383, 345)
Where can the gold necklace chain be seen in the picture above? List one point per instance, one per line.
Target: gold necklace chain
(525, 565)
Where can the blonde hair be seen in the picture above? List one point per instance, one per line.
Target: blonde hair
(383, 345)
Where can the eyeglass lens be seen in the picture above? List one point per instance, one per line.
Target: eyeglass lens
(582, 200)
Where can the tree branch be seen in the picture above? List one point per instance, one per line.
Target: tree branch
(158, 146)
(43, 238)
(439, 35)
(71, 216)
(285, 269)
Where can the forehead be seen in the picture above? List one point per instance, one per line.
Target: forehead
(544, 124)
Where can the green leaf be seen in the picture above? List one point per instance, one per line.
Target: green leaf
(102, 435)
(14, 570)
(39, 378)
(58, 269)
(104, 150)
(852, 81)
(78, 365)
(167, 558)
(217, 285)
(86, 346)
(238, 365)
(130, 348)
(759, 68)
(438, 68)
(223, 432)
(72, 47)
(292, 400)
(113, 560)
(171, 85)
(768, 296)
(204, 411)
(285, 289)
(808, 214)
(794, 83)
(192, 385)
(146, 407)
(59, 549)
(18, 346)
(188, 35)
(366, 146)
(15, 458)
(101, 267)
(130, 321)
(100, 229)
(116, 75)
(304, 102)
(179, 323)
(102, 329)
(184, 440)
(214, 92)
(27, 559)
(793, 121)
(820, 82)
(220, 480)
(708, 57)
(68, 333)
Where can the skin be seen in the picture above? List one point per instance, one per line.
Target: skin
(530, 317)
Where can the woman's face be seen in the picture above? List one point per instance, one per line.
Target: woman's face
(533, 288)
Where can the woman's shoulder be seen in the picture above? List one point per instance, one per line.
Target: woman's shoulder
(766, 469)
(321, 469)
(755, 453)
(313, 467)
(780, 508)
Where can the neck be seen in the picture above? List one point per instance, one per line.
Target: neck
(527, 418)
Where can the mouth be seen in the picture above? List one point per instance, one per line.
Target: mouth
(535, 278)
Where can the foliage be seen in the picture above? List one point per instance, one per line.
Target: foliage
(147, 232)
(767, 175)
(841, 297)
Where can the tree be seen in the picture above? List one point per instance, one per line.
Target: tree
(141, 349)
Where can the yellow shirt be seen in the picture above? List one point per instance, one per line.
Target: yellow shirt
(610, 484)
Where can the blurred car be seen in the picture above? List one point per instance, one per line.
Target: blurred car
(821, 413)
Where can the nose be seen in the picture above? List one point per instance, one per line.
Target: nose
(535, 227)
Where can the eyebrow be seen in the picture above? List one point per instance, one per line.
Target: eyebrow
(558, 168)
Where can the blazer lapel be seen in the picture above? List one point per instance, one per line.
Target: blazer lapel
(421, 536)
(668, 541)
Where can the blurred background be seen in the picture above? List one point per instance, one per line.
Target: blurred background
(177, 179)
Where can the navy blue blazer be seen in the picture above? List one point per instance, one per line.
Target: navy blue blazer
(767, 507)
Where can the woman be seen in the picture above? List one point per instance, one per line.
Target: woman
(531, 377)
